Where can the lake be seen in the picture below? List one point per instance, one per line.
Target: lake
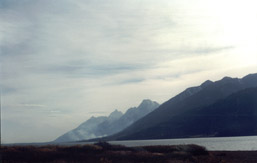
(246, 143)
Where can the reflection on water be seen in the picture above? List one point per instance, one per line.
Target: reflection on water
(224, 143)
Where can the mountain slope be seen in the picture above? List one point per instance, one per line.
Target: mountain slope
(131, 115)
(85, 130)
(206, 94)
(104, 126)
(235, 115)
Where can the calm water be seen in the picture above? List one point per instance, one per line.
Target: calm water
(246, 143)
(228, 143)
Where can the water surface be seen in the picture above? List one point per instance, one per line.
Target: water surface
(246, 143)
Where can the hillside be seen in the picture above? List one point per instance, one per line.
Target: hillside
(180, 116)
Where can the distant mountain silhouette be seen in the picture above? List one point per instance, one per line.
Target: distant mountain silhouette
(104, 126)
(191, 113)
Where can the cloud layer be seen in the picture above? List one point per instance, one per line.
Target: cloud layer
(63, 61)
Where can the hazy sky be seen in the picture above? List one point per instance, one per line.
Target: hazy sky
(64, 61)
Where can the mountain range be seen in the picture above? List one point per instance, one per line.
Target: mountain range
(227, 107)
(103, 126)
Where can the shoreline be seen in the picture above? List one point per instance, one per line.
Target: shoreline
(242, 143)
(105, 152)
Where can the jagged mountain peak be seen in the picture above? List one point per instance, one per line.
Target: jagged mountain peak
(250, 79)
(115, 122)
(206, 83)
(227, 79)
(115, 115)
(147, 103)
(253, 75)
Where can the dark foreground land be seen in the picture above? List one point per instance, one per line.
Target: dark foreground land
(106, 153)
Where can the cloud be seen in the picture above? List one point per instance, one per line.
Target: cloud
(6, 90)
(65, 60)
(30, 105)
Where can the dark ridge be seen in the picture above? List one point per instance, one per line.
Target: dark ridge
(171, 119)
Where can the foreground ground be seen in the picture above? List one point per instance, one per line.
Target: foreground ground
(106, 153)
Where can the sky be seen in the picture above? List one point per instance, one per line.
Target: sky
(62, 62)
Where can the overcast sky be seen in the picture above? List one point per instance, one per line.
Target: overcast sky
(65, 61)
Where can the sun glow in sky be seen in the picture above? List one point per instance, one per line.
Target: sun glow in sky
(65, 61)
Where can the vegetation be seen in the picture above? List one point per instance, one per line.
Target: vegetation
(103, 152)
